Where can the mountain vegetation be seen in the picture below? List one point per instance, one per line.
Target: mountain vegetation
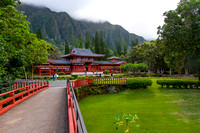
(57, 26)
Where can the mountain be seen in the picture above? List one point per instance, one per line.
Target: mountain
(56, 26)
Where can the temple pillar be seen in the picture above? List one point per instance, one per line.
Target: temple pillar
(40, 70)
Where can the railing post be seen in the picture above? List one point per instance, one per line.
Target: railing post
(27, 88)
(1, 107)
(36, 87)
(13, 100)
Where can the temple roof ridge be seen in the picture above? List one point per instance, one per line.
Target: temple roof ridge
(114, 57)
(82, 52)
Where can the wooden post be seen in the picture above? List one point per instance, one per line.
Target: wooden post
(39, 70)
(13, 100)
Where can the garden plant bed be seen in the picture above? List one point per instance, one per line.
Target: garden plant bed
(159, 110)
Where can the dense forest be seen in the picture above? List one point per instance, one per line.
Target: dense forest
(56, 27)
(177, 49)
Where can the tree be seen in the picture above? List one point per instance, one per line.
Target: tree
(189, 11)
(92, 47)
(36, 53)
(87, 41)
(16, 41)
(115, 52)
(54, 52)
(107, 51)
(97, 47)
(102, 43)
(181, 35)
(39, 34)
(134, 42)
(75, 41)
(66, 47)
(80, 41)
(125, 46)
(150, 53)
(119, 46)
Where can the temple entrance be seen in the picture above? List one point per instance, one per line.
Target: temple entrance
(86, 67)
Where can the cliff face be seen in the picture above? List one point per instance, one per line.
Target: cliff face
(58, 26)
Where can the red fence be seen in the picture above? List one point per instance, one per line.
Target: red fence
(21, 91)
(82, 82)
(100, 81)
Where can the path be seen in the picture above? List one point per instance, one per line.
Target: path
(45, 112)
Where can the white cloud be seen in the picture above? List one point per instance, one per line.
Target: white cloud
(141, 17)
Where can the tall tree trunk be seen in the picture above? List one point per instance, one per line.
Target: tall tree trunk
(198, 73)
(170, 73)
(24, 72)
(32, 70)
(186, 71)
(179, 72)
(162, 71)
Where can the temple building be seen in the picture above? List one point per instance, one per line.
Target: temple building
(80, 61)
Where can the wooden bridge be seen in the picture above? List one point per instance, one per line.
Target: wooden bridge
(54, 109)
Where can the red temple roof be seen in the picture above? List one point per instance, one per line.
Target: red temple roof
(110, 63)
(59, 61)
(83, 53)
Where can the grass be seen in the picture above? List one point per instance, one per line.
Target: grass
(159, 110)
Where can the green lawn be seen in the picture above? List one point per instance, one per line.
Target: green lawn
(159, 110)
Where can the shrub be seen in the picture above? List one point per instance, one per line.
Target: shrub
(179, 83)
(70, 78)
(106, 72)
(116, 71)
(84, 91)
(61, 73)
(152, 75)
(75, 76)
(106, 76)
(138, 83)
(62, 78)
(134, 67)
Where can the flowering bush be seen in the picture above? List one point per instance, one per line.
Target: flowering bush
(123, 119)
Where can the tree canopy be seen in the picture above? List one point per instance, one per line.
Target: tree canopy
(19, 47)
(180, 34)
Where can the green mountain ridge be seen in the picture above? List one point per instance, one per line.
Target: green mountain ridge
(57, 26)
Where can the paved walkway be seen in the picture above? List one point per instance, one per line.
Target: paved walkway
(45, 112)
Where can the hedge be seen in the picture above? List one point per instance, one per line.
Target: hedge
(61, 73)
(106, 72)
(138, 83)
(84, 91)
(179, 83)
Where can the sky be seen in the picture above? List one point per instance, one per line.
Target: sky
(141, 17)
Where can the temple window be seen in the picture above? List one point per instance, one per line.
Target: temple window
(79, 58)
(91, 59)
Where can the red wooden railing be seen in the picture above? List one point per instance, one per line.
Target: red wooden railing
(71, 113)
(21, 92)
(75, 120)
(99, 81)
